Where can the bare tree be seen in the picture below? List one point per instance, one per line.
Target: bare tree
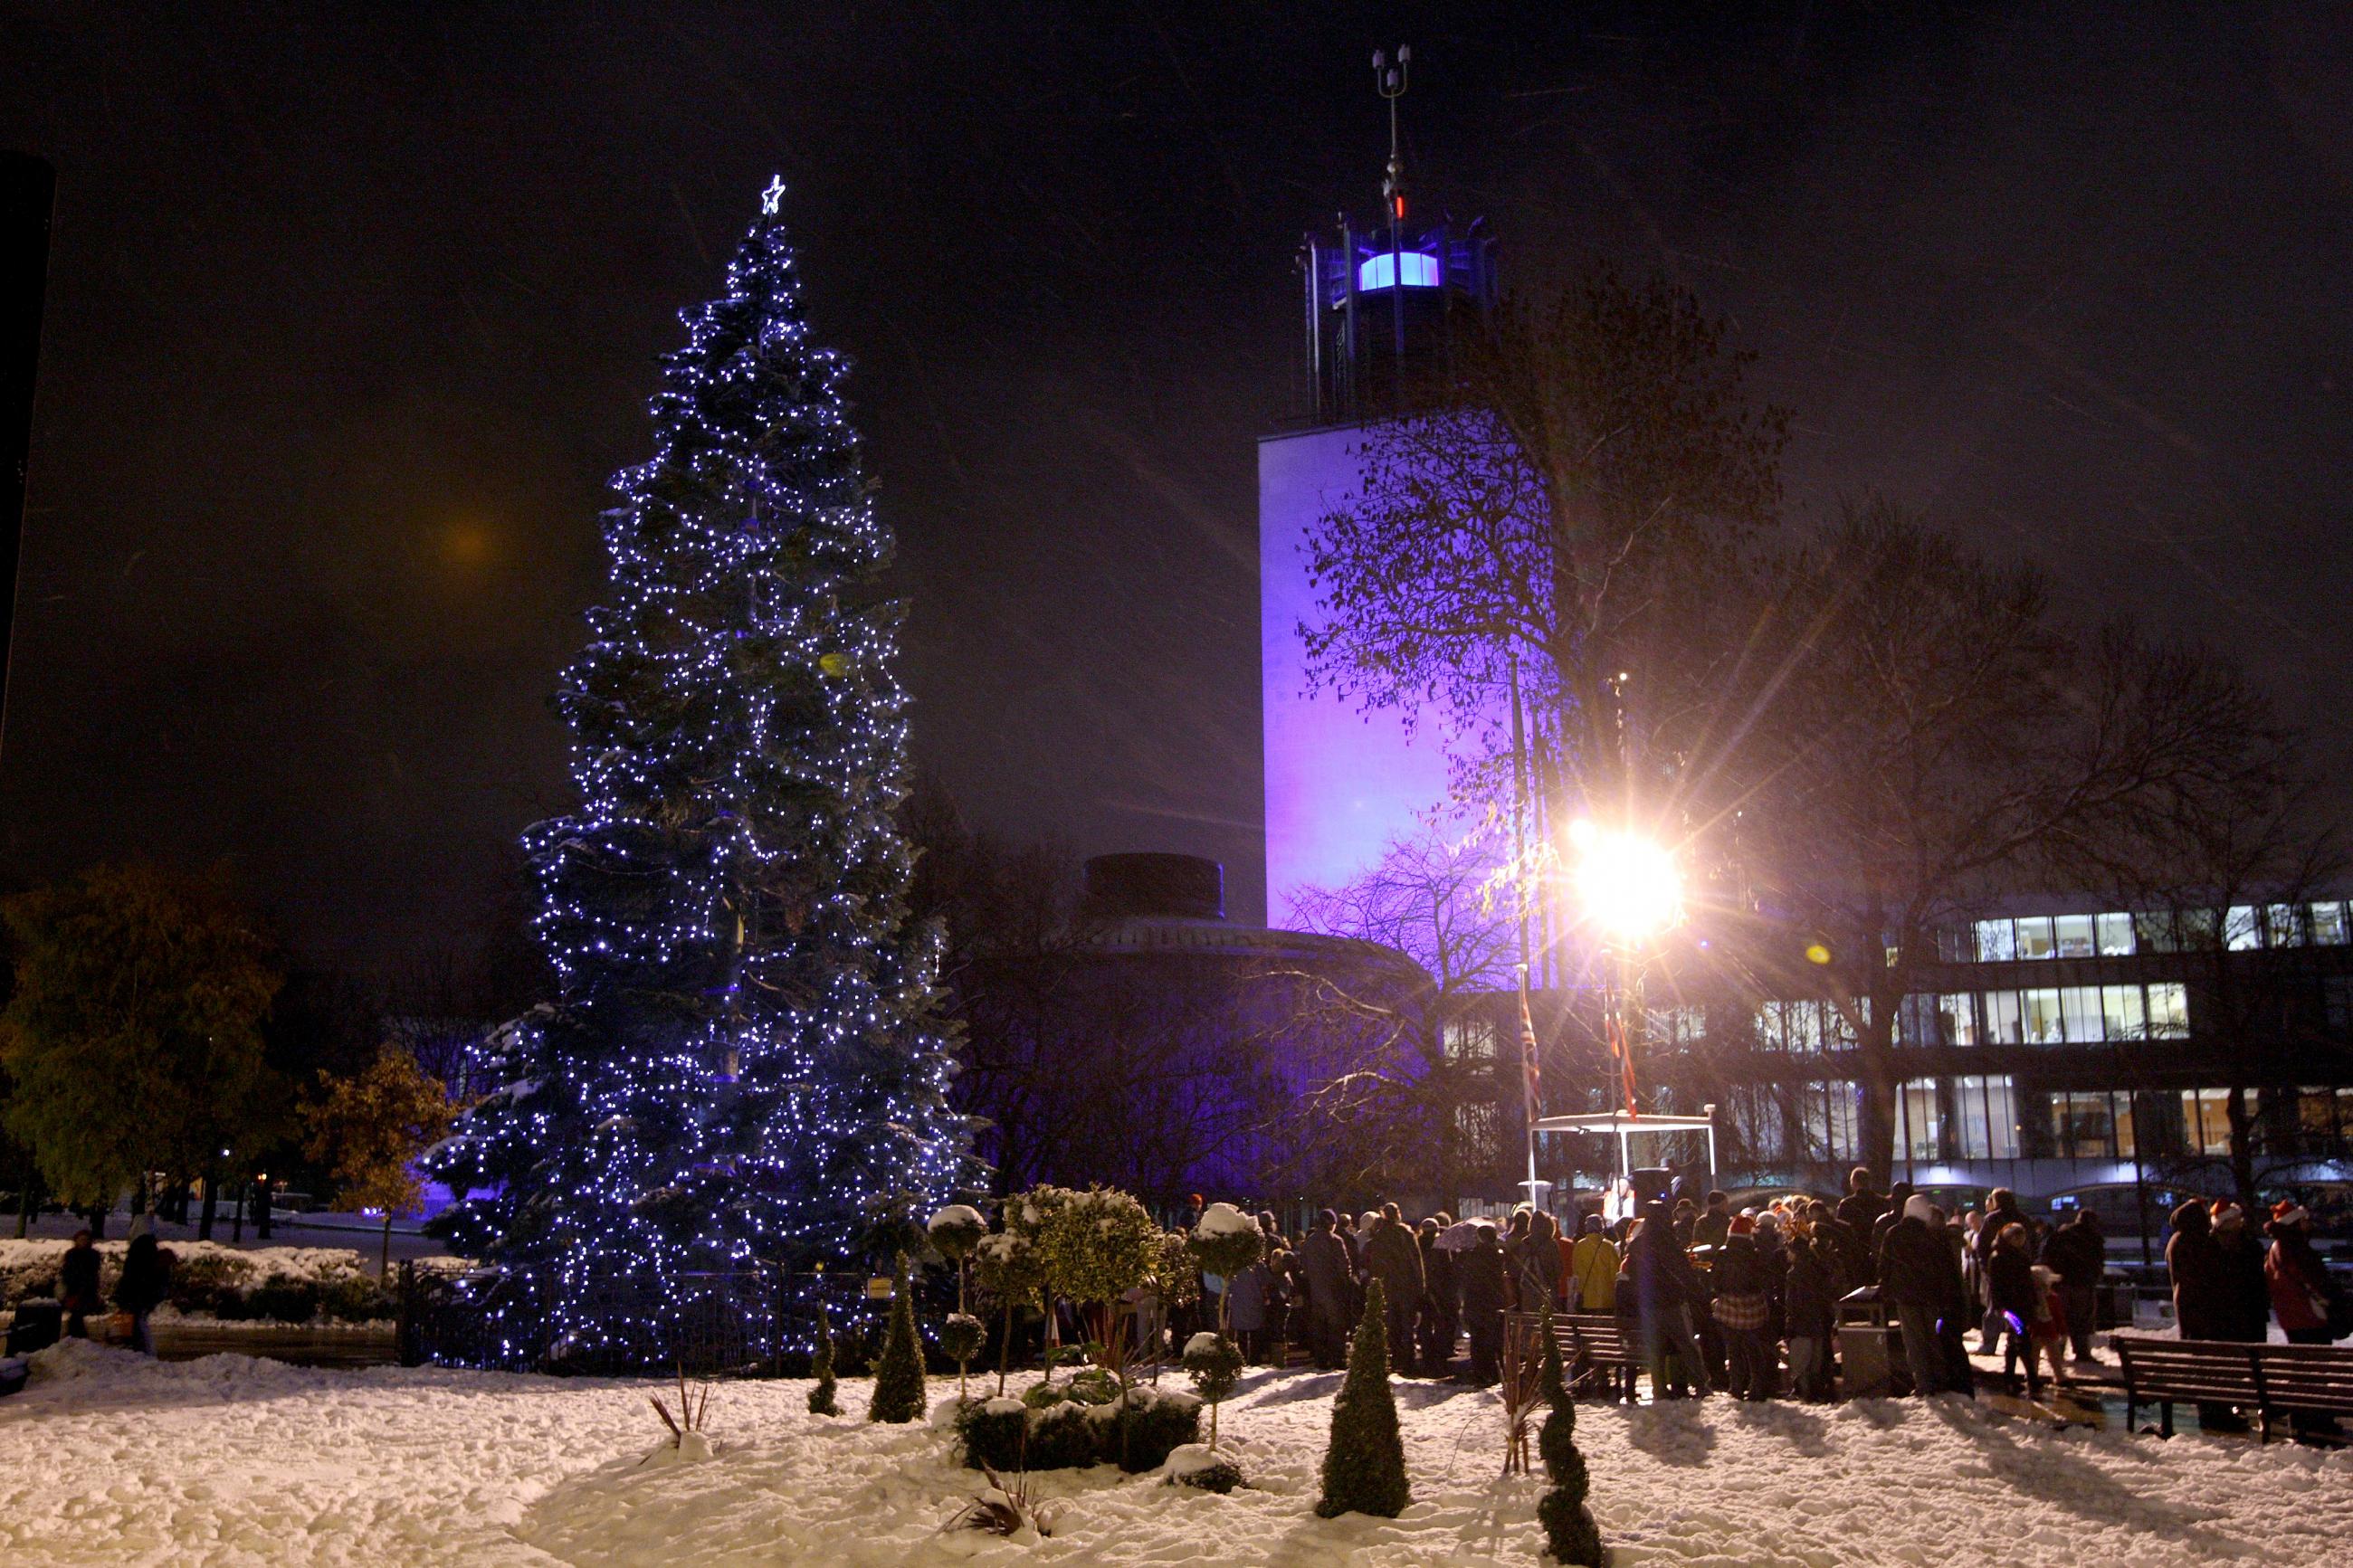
(2218, 869)
(1561, 517)
(1395, 1071)
(1923, 738)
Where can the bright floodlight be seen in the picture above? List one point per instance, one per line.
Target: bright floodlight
(1628, 884)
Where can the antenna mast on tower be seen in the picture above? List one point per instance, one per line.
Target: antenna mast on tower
(1390, 80)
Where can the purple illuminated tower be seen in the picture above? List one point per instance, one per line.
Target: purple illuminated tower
(1382, 304)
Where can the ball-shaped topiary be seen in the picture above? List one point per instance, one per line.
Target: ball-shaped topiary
(1227, 1240)
(898, 1376)
(1364, 1467)
(1097, 1245)
(955, 1230)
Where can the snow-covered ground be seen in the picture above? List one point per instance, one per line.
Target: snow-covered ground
(229, 1460)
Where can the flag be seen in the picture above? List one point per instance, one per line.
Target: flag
(1530, 1072)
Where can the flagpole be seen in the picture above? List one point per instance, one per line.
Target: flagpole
(1531, 1069)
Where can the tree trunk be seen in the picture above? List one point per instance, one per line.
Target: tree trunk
(26, 1202)
(261, 1210)
(212, 1208)
(384, 1263)
(1875, 1121)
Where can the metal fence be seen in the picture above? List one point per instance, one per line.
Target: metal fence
(751, 1322)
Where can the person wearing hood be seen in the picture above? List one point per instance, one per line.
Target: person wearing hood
(2202, 1296)
(2247, 1295)
(1393, 1257)
(1666, 1290)
(1479, 1272)
(2001, 1211)
(1714, 1221)
(1330, 1273)
(2313, 1309)
(1917, 1273)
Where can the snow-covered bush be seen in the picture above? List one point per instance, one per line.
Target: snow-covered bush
(1067, 1431)
(955, 1230)
(1198, 1466)
(1227, 1240)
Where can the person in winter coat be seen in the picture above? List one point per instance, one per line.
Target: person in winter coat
(1898, 1195)
(2247, 1295)
(1393, 1257)
(1592, 1282)
(77, 1285)
(2312, 1308)
(1714, 1221)
(2078, 1254)
(1860, 1210)
(1916, 1272)
(2001, 1211)
(1810, 1297)
(1743, 1303)
(1248, 1295)
(1441, 1316)
(1479, 1272)
(146, 1284)
(1331, 1276)
(2020, 1301)
(2309, 1303)
(1666, 1290)
(2202, 1296)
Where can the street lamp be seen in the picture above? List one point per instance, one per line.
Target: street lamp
(1627, 884)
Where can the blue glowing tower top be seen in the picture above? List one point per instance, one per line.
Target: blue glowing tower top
(1384, 301)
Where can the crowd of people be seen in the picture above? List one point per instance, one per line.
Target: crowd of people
(1746, 1301)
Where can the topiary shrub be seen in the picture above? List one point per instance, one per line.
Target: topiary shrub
(1363, 1467)
(1224, 1243)
(991, 1434)
(960, 1340)
(1157, 1422)
(1201, 1469)
(898, 1376)
(822, 1401)
(1061, 1438)
(356, 1299)
(1571, 1535)
(1006, 1267)
(1214, 1365)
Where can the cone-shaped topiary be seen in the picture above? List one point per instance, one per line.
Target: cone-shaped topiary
(1571, 1536)
(821, 1400)
(1215, 1363)
(1364, 1469)
(898, 1376)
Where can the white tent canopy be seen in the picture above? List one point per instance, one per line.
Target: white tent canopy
(1618, 1124)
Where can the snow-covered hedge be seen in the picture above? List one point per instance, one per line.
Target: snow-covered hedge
(1071, 1432)
(288, 1284)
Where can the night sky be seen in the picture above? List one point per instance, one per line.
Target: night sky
(353, 310)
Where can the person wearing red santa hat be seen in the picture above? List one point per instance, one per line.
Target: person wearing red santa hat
(2313, 1309)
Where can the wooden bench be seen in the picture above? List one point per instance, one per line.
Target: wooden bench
(1597, 1349)
(2271, 1380)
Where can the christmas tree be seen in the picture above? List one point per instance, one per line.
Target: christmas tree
(745, 1059)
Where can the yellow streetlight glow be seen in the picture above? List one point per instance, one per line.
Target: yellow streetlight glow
(1627, 884)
